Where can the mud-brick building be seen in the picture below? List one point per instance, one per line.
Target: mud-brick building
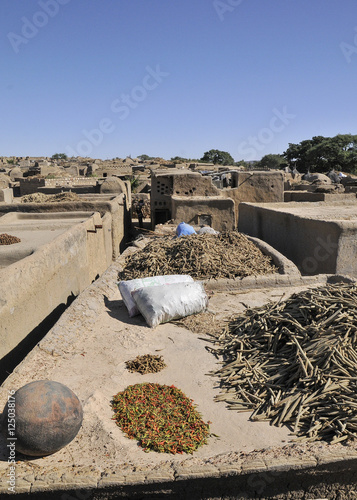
(185, 196)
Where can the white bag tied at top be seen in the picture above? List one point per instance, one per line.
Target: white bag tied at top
(159, 304)
(126, 287)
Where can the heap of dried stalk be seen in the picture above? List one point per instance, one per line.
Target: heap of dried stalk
(145, 208)
(53, 198)
(148, 363)
(226, 255)
(295, 363)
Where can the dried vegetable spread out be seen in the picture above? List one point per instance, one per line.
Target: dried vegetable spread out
(295, 363)
(145, 208)
(8, 239)
(160, 417)
(53, 198)
(203, 256)
(204, 323)
(148, 363)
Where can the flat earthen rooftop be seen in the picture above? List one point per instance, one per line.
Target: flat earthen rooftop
(34, 230)
(316, 210)
(87, 350)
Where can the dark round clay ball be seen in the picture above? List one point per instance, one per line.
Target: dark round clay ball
(48, 416)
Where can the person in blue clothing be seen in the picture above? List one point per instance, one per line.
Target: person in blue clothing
(184, 229)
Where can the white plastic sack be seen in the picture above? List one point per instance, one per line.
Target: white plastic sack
(207, 230)
(126, 287)
(159, 304)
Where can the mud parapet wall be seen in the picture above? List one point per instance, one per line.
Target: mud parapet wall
(255, 187)
(319, 238)
(214, 211)
(117, 206)
(306, 196)
(36, 284)
(29, 185)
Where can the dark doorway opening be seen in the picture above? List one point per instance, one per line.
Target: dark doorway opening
(161, 216)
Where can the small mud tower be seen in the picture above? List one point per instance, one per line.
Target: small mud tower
(161, 192)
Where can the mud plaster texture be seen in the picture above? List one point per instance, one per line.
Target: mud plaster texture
(87, 349)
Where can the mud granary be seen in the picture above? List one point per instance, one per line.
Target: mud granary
(192, 197)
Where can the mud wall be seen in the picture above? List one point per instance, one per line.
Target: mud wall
(117, 205)
(216, 212)
(255, 187)
(34, 286)
(315, 245)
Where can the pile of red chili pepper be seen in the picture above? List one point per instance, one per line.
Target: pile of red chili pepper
(160, 417)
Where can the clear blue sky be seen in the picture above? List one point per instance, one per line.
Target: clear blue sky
(112, 78)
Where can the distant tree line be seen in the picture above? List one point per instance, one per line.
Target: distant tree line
(322, 154)
(319, 154)
(272, 162)
(59, 156)
(214, 156)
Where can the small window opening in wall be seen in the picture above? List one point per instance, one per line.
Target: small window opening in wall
(105, 174)
(205, 220)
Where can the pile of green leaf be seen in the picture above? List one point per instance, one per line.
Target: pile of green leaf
(160, 417)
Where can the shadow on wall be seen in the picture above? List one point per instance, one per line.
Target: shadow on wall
(14, 357)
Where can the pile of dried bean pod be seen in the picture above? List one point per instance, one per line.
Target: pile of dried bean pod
(53, 198)
(8, 239)
(294, 363)
(148, 363)
(203, 256)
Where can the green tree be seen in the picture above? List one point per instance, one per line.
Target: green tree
(134, 181)
(179, 159)
(145, 157)
(241, 163)
(321, 154)
(272, 161)
(59, 156)
(217, 157)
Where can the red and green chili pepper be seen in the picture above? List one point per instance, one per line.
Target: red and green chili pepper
(160, 417)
